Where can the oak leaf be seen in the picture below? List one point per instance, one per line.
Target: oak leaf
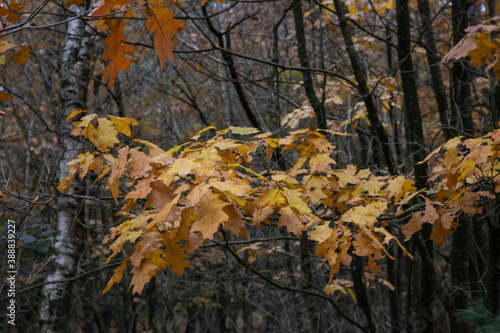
(210, 215)
(117, 276)
(164, 25)
(175, 257)
(115, 52)
(142, 275)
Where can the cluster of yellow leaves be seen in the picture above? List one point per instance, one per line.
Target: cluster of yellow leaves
(180, 198)
(479, 45)
(183, 197)
(466, 177)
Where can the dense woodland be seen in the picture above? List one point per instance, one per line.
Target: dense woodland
(251, 166)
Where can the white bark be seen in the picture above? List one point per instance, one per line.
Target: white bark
(55, 305)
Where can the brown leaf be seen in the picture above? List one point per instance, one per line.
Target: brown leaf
(115, 52)
(164, 25)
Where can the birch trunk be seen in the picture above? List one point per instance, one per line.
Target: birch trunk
(55, 304)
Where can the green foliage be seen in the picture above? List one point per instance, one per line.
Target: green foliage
(479, 316)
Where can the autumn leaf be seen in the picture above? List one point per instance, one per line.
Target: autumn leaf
(74, 113)
(103, 7)
(5, 97)
(142, 275)
(117, 170)
(86, 161)
(115, 52)
(69, 3)
(124, 125)
(210, 215)
(117, 276)
(139, 164)
(462, 49)
(429, 215)
(11, 16)
(5, 46)
(21, 57)
(174, 257)
(290, 220)
(164, 212)
(243, 130)
(164, 25)
(484, 50)
(105, 135)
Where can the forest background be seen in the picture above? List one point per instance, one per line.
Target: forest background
(251, 166)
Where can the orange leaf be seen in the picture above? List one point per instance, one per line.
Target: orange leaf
(5, 97)
(175, 257)
(115, 53)
(164, 25)
(11, 17)
(483, 51)
(21, 57)
(142, 275)
(74, 2)
(103, 7)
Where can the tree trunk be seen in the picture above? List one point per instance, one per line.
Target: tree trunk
(55, 304)
(318, 107)
(493, 267)
(371, 108)
(415, 137)
(357, 274)
(460, 89)
(459, 258)
(433, 59)
(461, 121)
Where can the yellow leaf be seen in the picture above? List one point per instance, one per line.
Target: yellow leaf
(5, 46)
(210, 215)
(243, 130)
(321, 233)
(105, 135)
(117, 276)
(85, 162)
(484, 50)
(74, 113)
(124, 125)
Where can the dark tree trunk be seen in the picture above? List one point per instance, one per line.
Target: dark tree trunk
(493, 267)
(415, 137)
(460, 89)
(224, 40)
(371, 108)
(461, 121)
(433, 59)
(358, 280)
(318, 107)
